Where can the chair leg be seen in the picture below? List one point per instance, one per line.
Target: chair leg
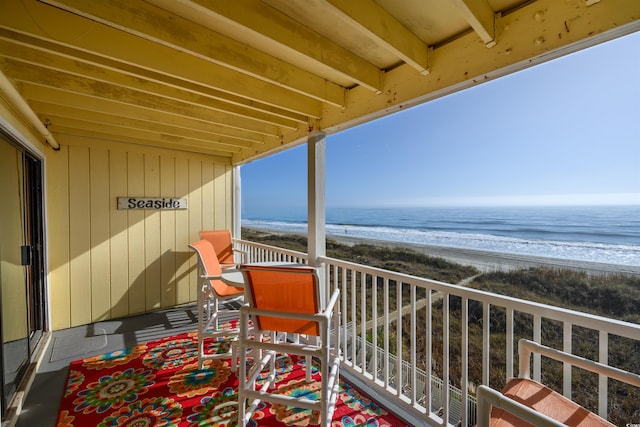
(200, 329)
(309, 364)
(242, 370)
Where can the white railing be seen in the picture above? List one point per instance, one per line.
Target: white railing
(255, 252)
(437, 385)
(462, 336)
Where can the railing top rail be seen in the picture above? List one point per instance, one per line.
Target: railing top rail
(613, 326)
(289, 252)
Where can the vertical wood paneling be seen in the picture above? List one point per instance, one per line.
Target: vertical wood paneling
(167, 234)
(58, 238)
(222, 204)
(152, 234)
(195, 218)
(136, 236)
(119, 245)
(79, 235)
(109, 263)
(183, 253)
(99, 204)
(208, 196)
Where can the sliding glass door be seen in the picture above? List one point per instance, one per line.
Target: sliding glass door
(21, 262)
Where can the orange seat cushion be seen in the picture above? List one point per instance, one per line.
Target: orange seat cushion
(545, 401)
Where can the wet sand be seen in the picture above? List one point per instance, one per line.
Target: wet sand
(484, 261)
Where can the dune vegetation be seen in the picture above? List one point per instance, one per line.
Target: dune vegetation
(615, 296)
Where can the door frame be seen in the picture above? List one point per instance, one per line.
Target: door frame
(36, 346)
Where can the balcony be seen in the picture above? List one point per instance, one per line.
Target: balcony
(423, 358)
(463, 337)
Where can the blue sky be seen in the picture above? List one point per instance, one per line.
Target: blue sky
(564, 132)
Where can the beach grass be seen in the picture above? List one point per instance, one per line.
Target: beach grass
(402, 260)
(611, 295)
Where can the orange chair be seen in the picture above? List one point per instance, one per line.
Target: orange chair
(283, 301)
(211, 291)
(223, 245)
(524, 402)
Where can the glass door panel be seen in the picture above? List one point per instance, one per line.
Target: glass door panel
(13, 278)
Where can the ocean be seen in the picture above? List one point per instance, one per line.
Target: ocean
(606, 234)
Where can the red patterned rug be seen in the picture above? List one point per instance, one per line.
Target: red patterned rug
(159, 384)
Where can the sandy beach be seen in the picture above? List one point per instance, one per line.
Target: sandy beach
(484, 261)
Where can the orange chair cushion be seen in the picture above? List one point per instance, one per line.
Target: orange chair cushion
(545, 401)
(284, 289)
(211, 266)
(221, 241)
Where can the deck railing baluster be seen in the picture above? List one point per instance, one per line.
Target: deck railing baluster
(393, 370)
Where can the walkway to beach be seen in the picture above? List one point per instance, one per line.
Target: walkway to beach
(418, 305)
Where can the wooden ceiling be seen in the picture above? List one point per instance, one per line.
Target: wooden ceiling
(244, 78)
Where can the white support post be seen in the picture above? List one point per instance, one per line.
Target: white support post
(237, 204)
(316, 203)
(316, 196)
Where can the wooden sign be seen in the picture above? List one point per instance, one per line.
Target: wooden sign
(157, 203)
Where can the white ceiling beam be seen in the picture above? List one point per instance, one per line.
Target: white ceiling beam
(159, 26)
(387, 30)
(480, 16)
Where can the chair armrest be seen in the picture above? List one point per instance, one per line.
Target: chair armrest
(332, 301)
(243, 255)
(223, 266)
(488, 398)
(526, 347)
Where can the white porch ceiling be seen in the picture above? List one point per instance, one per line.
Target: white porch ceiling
(244, 78)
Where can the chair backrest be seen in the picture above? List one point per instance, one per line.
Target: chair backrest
(210, 266)
(284, 290)
(222, 244)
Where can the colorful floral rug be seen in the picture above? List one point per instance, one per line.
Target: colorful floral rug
(159, 384)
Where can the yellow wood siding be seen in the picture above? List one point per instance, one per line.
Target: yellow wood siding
(58, 237)
(107, 263)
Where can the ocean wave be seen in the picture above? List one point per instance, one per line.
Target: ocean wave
(622, 254)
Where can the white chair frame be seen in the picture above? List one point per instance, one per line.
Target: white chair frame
(265, 355)
(488, 397)
(209, 313)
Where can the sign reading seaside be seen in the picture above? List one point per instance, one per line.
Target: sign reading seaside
(162, 203)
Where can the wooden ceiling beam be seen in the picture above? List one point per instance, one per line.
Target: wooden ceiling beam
(480, 16)
(51, 113)
(19, 71)
(185, 145)
(55, 96)
(154, 24)
(531, 35)
(137, 134)
(283, 35)
(47, 60)
(38, 25)
(387, 30)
